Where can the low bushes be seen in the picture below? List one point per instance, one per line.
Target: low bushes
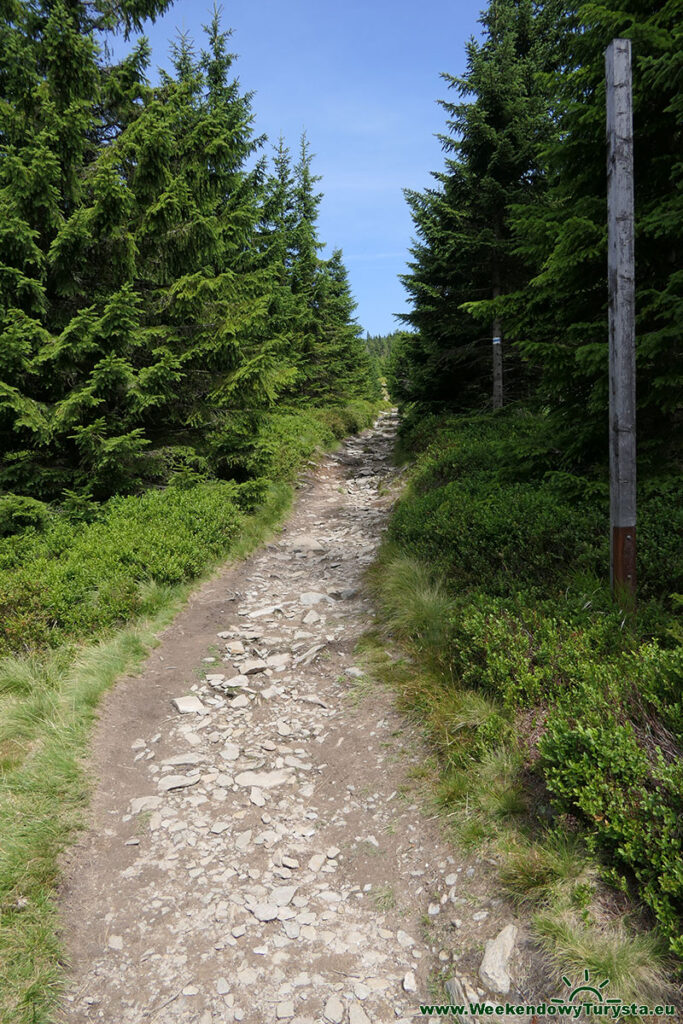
(276, 444)
(485, 507)
(74, 571)
(68, 582)
(584, 707)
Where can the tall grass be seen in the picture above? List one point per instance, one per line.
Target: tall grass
(635, 965)
(415, 604)
(48, 707)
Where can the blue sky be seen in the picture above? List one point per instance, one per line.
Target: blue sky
(363, 79)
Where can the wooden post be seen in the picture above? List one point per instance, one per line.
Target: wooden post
(497, 368)
(622, 335)
(497, 353)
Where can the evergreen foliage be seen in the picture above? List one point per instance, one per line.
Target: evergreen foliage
(561, 318)
(158, 288)
(380, 345)
(514, 231)
(463, 257)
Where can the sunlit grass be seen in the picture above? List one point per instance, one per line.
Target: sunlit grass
(636, 965)
(555, 869)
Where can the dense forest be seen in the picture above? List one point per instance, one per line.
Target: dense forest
(567, 710)
(380, 347)
(162, 284)
(515, 228)
(170, 329)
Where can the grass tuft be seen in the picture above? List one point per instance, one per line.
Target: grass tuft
(416, 607)
(544, 871)
(635, 965)
(384, 898)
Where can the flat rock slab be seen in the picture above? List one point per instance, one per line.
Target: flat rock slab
(230, 752)
(253, 665)
(305, 543)
(181, 760)
(219, 827)
(236, 682)
(334, 1010)
(312, 597)
(265, 911)
(145, 803)
(357, 1014)
(188, 705)
(169, 782)
(264, 780)
(283, 895)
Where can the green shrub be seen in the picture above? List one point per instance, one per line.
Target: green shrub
(632, 800)
(90, 567)
(487, 507)
(70, 583)
(500, 536)
(517, 553)
(276, 444)
(18, 512)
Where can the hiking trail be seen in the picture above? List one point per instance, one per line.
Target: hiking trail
(255, 851)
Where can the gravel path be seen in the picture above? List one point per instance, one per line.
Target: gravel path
(253, 854)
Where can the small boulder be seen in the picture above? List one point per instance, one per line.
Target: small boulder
(493, 971)
(409, 982)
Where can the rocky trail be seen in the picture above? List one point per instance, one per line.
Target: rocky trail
(256, 850)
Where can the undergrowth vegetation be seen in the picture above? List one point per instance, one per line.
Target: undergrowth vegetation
(70, 572)
(84, 591)
(557, 719)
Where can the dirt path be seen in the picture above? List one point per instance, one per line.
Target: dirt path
(254, 858)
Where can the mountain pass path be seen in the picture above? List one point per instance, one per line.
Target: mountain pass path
(256, 851)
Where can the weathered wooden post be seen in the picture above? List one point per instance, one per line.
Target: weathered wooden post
(497, 367)
(497, 355)
(622, 335)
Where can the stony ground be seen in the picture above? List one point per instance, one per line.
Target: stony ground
(255, 852)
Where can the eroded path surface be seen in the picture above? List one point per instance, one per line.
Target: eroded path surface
(253, 855)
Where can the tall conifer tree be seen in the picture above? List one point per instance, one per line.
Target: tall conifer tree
(561, 318)
(463, 257)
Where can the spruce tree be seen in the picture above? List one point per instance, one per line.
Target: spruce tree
(305, 263)
(463, 257)
(341, 366)
(56, 109)
(157, 304)
(561, 318)
(287, 312)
